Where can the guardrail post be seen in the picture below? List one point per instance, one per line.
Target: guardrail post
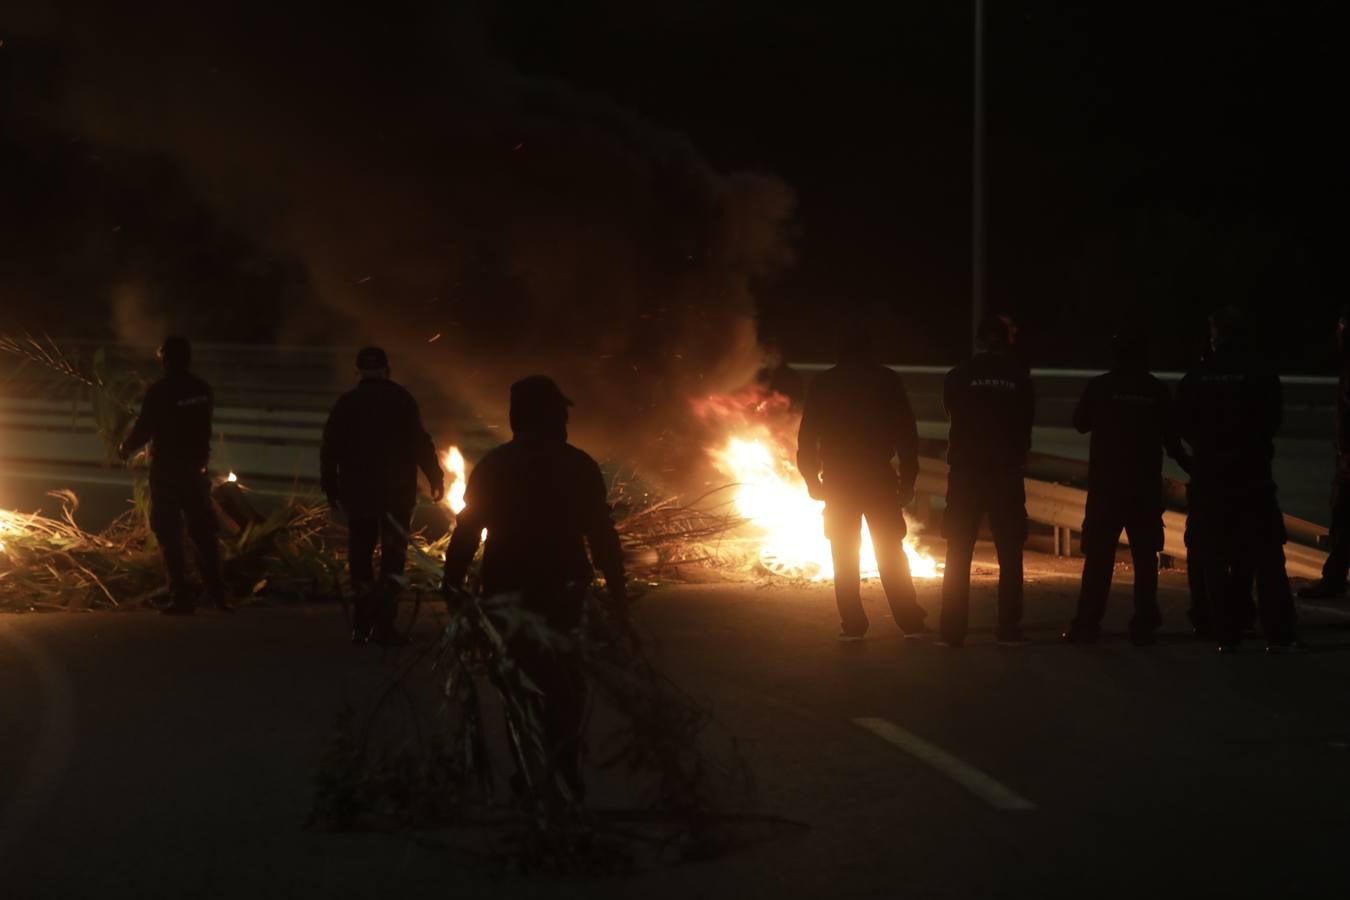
(1063, 541)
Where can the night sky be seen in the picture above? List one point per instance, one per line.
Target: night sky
(1146, 162)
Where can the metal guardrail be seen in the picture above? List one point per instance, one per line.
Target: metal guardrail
(1063, 507)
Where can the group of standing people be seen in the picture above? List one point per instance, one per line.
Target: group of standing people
(1219, 427)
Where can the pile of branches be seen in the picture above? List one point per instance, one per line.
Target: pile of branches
(441, 774)
(51, 562)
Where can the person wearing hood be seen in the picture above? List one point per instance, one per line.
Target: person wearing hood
(1129, 414)
(543, 504)
(1228, 411)
(374, 443)
(175, 420)
(1332, 583)
(990, 404)
(856, 425)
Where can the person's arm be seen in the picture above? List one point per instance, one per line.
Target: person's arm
(1171, 434)
(808, 443)
(1026, 398)
(425, 452)
(329, 453)
(906, 439)
(1085, 414)
(603, 539)
(147, 423)
(468, 533)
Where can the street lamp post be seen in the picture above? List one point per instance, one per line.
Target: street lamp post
(977, 180)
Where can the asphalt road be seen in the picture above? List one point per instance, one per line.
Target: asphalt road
(149, 757)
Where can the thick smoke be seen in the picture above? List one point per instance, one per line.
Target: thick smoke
(429, 188)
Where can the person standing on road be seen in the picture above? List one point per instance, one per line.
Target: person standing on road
(1129, 414)
(856, 423)
(991, 406)
(1332, 583)
(1228, 411)
(373, 444)
(175, 420)
(542, 502)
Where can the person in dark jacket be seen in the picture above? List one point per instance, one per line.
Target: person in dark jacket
(1332, 583)
(543, 503)
(373, 445)
(857, 420)
(991, 406)
(1228, 411)
(1129, 414)
(175, 420)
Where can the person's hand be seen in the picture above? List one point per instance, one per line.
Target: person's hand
(815, 488)
(123, 451)
(438, 492)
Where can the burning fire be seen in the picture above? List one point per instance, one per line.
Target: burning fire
(771, 495)
(459, 480)
(231, 478)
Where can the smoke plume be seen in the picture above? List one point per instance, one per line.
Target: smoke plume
(428, 188)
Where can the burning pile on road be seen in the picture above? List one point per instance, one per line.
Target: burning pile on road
(757, 515)
(783, 524)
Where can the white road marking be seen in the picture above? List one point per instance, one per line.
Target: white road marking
(972, 779)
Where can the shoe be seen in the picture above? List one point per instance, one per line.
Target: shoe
(1228, 648)
(1073, 636)
(950, 643)
(1292, 645)
(1321, 590)
(177, 609)
(922, 632)
(1144, 639)
(360, 636)
(1013, 639)
(848, 638)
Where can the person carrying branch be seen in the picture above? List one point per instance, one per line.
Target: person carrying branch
(857, 423)
(542, 502)
(175, 420)
(373, 445)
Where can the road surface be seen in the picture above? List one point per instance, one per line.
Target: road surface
(144, 757)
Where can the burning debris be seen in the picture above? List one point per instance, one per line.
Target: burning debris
(783, 525)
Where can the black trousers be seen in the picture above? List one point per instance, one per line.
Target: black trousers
(560, 678)
(364, 531)
(1338, 558)
(1240, 538)
(844, 515)
(970, 496)
(1106, 518)
(179, 499)
(376, 606)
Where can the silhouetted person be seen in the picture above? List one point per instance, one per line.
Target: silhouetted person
(1338, 559)
(175, 421)
(857, 420)
(373, 445)
(1229, 410)
(991, 406)
(543, 502)
(1129, 414)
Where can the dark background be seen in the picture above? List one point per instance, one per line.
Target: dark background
(1145, 161)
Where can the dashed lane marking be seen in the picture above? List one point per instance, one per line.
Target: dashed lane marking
(998, 796)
